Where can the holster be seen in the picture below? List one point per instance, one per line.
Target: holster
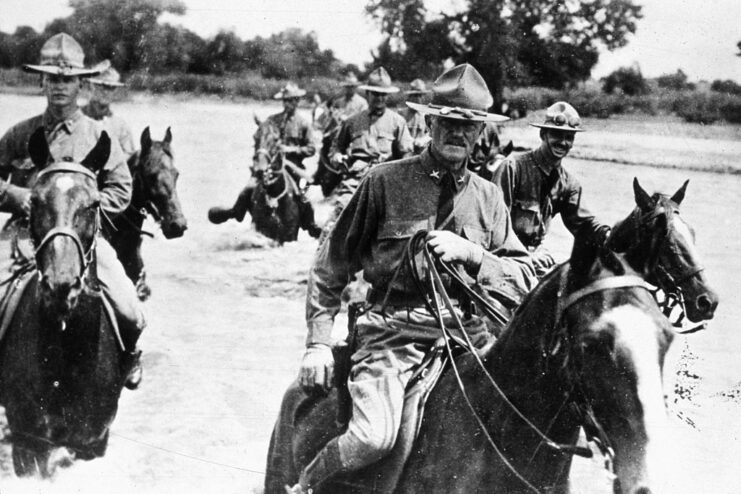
(343, 364)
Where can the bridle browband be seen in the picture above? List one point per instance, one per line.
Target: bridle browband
(85, 256)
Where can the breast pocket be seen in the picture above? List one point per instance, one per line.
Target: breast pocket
(527, 222)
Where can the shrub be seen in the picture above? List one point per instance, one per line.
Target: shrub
(676, 81)
(627, 80)
(727, 86)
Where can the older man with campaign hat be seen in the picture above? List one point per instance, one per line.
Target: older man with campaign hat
(537, 187)
(297, 143)
(468, 226)
(103, 90)
(71, 135)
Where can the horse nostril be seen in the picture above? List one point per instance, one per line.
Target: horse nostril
(704, 304)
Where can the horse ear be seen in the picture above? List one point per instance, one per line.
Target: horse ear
(38, 148)
(168, 136)
(98, 156)
(678, 196)
(257, 120)
(507, 150)
(643, 200)
(146, 140)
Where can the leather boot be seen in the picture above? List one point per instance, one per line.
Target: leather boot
(306, 216)
(132, 366)
(217, 215)
(326, 464)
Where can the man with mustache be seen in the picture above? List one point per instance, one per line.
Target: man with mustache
(371, 136)
(71, 135)
(536, 187)
(469, 227)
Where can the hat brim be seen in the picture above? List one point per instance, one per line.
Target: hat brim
(298, 94)
(445, 112)
(101, 82)
(379, 89)
(64, 71)
(557, 127)
(416, 92)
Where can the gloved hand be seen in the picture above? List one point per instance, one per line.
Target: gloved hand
(17, 199)
(543, 261)
(454, 248)
(317, 369)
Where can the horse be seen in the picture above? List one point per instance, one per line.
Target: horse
(326, 175)
(585, 349)
(61, 363)
(274, 202)
(155, 194)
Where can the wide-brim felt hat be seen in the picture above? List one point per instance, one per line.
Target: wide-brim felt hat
(379, 81)
(460, 93)
(561, 116)
(290, 91)
(108, 77)
(62, 55)
(350, 80)
(417, 87)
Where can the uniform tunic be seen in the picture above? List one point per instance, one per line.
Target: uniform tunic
(535, 195)
(394, 201)
(348, 108)
(295, 130)
(70, 139)
(115, 125)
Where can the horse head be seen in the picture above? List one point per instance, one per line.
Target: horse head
(267, 163)
(64, 222)
(614, 343)
(660, 245)
(155, 184)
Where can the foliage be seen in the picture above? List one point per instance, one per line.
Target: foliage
(727, 86)
(627, 80)
(676, 81)
(512, 42)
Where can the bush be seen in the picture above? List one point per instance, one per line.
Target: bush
(727, 86)
(627, 80)
(676, 81)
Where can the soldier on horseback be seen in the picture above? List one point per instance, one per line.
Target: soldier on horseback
(374, 135)
(415, 120)
(70, 135)
(103, 89)
(536, 187)
(297, 143)
(470, 228)
(349, 102)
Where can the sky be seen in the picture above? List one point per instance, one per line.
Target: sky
(698, 36)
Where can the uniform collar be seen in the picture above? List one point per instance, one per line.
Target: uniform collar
(68, 125)
(436, 171)
(543, 164)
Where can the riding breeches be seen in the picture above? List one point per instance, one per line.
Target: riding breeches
(121, 293)
(390, 347)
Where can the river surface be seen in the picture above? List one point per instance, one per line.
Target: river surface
(226, 328)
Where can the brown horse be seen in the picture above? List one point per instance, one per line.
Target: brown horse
(585, 349)
(155, 193)
(61, 369)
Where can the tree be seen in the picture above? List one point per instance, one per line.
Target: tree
(676, 81)
(629, 80)
(511, 42)
(118, 30)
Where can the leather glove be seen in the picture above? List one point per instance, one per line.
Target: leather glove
(317, 369)
(454, 248)
(543, 261)
(17, 199)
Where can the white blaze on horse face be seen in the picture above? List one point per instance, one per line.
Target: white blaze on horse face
(637, 340)
(683, 230)
(64, 183)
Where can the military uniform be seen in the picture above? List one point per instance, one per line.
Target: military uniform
(115, 125)
(417, 130)
(486, 147)
(296, 131)
(347, 108)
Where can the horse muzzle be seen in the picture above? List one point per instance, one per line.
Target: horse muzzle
(60, 297)
(702, 307)
(175, 227)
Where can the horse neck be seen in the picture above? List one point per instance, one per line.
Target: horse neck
(634, 240)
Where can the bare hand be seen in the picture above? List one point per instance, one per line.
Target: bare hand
(454, 248)
(285, 149)
(317, 369)
(338, 158)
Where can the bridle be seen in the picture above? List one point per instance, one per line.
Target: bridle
(86, 256)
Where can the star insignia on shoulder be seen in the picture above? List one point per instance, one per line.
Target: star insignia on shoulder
(435, 174)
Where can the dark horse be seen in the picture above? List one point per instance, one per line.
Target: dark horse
(155, 193)
(585, 349)
(61, 370)
(328, 176)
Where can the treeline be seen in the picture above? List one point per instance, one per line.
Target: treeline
(130, 35)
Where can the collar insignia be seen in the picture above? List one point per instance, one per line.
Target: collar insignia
(435, 174)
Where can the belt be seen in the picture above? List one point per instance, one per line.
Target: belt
(398, 298)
